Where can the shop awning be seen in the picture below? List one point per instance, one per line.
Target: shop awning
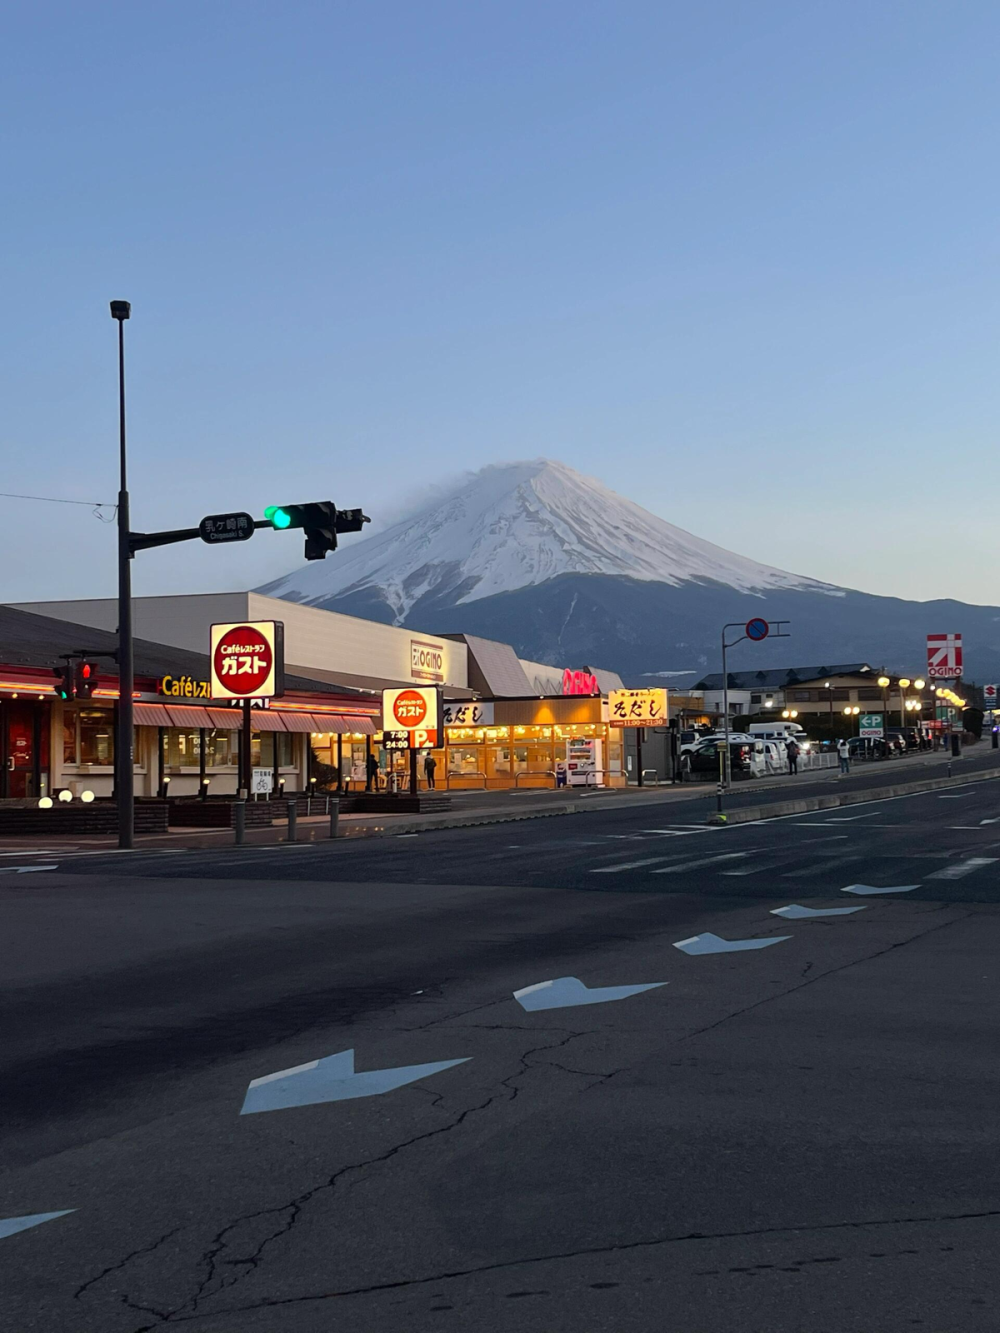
(185, 715)
(225, 719)
(262, 719)
(341, 723)
(365, 725)
(151, 715)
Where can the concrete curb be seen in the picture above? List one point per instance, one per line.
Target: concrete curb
(433, 823)
(805, 805)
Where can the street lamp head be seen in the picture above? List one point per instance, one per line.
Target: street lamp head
(794, 713)
(785, 713)
(847, 711)
(919, 684)
(120, 310)
(883, 681)
(904, 682)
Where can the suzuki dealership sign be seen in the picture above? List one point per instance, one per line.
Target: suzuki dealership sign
(944, 656)
(247, 660)
(416, 710)
(637, 708)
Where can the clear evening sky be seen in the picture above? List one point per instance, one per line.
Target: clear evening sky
(738, 260)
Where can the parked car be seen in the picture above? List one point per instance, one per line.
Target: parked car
(746, 757)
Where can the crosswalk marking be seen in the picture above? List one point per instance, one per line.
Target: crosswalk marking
(702, 861)
(629, 865)
(962, 868)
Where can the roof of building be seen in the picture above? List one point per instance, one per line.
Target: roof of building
(776, 678)
(41, 641)
(494, 668)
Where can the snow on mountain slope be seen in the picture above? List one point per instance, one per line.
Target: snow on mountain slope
(516, 524)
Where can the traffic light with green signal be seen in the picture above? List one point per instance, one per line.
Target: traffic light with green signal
(321, 521)
(64, 682)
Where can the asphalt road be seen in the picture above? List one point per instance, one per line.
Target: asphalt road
(796, 1137)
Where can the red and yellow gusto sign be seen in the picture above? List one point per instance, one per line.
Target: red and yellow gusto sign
(416, 710)
(248, 660)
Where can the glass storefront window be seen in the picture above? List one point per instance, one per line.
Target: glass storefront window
(97, 743)
(220, 749)
(182, 748)
(262, 749)
(69, 736)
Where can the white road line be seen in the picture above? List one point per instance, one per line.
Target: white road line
(962, 868)
(629, 865)
(849, 819)
(820, 868)
(702, 861)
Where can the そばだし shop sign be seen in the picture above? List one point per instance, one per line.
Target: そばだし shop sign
(247, 660)
(416, 710)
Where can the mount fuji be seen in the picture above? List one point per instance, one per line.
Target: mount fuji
(537, 555)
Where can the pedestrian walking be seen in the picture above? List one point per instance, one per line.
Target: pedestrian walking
(792, 750)
(372, 784)
(430, 764)
(844, 753)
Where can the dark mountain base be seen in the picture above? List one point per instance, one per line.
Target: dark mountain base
(635, 627)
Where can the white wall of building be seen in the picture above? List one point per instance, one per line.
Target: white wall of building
(326, 640)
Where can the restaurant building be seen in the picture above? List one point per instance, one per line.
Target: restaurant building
(509, 722)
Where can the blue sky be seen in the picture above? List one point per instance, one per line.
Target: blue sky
(739, 261)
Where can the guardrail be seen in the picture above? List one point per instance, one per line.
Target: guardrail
(448, 777)
(535, 773)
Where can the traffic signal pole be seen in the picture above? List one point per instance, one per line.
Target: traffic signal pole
(124, 757)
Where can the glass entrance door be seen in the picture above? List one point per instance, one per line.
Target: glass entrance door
(25, 759)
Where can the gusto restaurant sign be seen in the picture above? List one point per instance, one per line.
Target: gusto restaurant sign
(579, 682)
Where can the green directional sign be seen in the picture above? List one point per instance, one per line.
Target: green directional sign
(870, 724)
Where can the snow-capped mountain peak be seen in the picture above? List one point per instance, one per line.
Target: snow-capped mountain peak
(512, 525)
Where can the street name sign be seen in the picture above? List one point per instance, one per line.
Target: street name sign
(226, 528)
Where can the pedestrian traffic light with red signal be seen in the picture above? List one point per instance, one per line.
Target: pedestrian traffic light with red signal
(84, 680)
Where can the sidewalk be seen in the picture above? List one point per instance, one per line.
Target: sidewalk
(478, 807)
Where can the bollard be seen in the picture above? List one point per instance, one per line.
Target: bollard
(293, 816)
(239, 821)
(335, 818)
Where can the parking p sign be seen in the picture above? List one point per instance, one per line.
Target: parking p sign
(870, 724)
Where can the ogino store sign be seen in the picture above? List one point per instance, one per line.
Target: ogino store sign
(871, 725)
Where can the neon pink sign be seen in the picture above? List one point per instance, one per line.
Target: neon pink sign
(579, 682)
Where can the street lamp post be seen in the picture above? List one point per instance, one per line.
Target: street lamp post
(829, 698)
(904, 684)
(884, 684)
(124, 757)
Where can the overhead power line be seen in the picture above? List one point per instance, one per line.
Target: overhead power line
(95, 505)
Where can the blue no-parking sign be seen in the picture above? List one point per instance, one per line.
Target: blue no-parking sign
(757, 629)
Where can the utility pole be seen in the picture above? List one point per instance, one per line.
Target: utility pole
(124, 739)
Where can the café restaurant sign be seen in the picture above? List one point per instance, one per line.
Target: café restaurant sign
(637, 708)
(416, 710)
(247, 660)
(183, 687)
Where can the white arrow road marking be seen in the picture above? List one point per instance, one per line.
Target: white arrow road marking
(796, 913)
(702, 861)
(870, 888)
(709, 943)
(566, 992)
(962, 868)
(989, 821)
(24, 870)
(331, 1079)
(9, 1226)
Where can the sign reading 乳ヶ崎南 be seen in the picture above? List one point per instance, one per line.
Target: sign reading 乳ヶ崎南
(637, 708)
(247, 660)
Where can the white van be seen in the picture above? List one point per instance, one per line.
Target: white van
(782, 732)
